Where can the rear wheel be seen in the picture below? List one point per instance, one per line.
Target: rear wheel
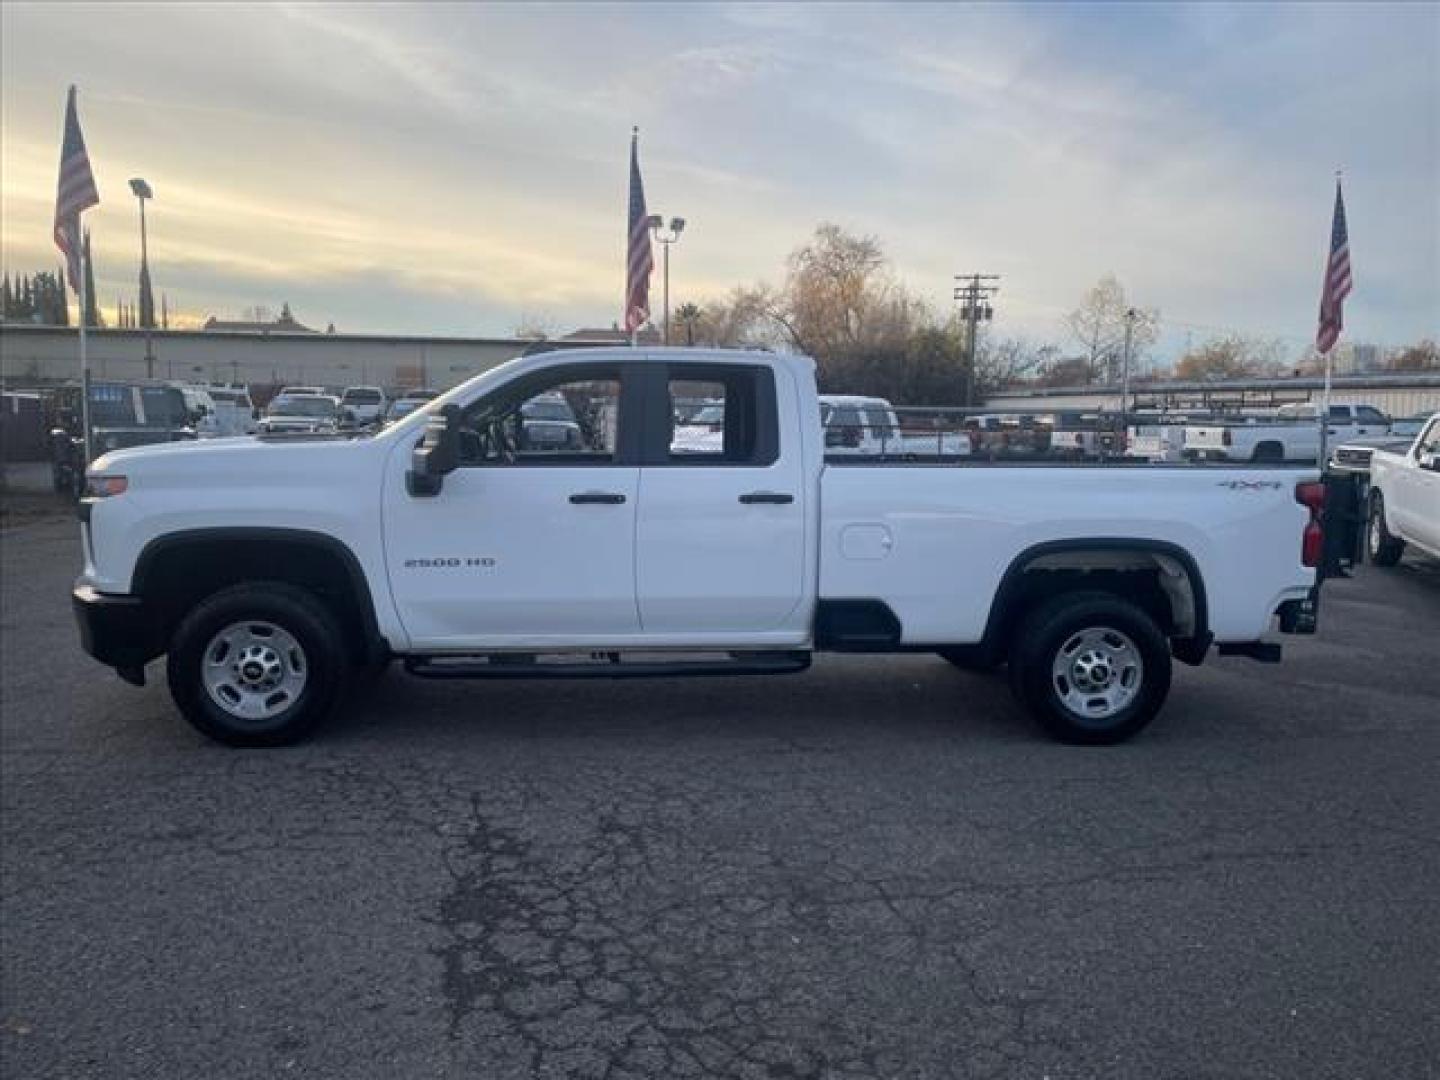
(257, 665)
(1382, 548)
(1090, 667)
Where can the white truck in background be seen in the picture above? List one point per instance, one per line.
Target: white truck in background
(1404, 501)
(871, 427)
(1158, 438)
(1293, 434)
(443, 542)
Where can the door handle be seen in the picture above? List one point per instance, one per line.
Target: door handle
(607, 498)
(777, 497)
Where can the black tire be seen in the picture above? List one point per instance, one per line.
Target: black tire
(1269, 453)
(297, 613)
(1381, 548)
(1056, 623)
(968, 658)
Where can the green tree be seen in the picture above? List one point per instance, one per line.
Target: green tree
(687, 315)
(92, 305)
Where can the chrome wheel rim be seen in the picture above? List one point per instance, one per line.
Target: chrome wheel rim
(1097, 673)
(254, 670)
(1373, 540)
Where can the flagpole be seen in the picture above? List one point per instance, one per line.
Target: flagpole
(84, 359)
(1325, 397)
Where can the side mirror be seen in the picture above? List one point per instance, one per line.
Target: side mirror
(437, 455)
(1430, 460)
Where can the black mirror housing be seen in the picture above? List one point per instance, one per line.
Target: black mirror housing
(437, 455)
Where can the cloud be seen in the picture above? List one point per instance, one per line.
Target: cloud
(449, 167)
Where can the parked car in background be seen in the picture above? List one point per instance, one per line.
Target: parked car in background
(1404, 502)
(300, 391)
(200, 407)
(302, 414)
(403, 406)
(1008, 436)
(1292, 434)
(698, 428)
(1353, 455)
(1158, 438)
(122, 415)
(548, 424)
(871, 427)
(1083, 435)
(235, 412)
(366, 404)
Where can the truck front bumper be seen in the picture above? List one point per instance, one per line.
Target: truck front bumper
(120, 631)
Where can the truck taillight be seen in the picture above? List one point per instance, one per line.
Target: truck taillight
(1311, 495)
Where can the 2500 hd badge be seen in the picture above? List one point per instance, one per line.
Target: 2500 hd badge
(453, 562)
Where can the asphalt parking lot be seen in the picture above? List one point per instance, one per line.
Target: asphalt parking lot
(872, 870)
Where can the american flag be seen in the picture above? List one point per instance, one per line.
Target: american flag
(76, 191)
(1338, 281)
(638, 260)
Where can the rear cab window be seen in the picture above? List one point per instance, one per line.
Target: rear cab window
(716, 414)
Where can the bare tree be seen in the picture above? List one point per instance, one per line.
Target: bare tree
(1234, 356)
(536, 326)
(1098, 326)
(1422, 356)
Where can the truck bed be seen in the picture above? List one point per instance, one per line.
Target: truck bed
(928, 539)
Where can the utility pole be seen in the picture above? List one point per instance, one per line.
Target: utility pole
(974, 296)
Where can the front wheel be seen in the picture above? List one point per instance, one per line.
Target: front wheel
(1092, 668)
(257, 664)
(1382, 548)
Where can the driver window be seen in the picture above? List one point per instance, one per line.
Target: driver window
(572, 420)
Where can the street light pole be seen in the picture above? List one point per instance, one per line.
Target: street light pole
(147, 294)
(677, 226)
(1125, 370)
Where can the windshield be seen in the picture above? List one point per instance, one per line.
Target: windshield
(1411, 425)
(362, 397)
(303, 406)
(405, 407)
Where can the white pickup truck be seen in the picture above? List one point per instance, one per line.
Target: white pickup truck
(1292, 435)
(1405, 498)
(270, 570)
(870, 427)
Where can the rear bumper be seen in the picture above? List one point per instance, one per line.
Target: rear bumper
(120, 631)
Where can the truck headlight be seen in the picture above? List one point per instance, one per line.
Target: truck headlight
(102, 487)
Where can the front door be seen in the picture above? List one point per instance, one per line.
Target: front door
(531, 541)
(721, 533)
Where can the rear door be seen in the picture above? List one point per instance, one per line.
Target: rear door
(721, 529)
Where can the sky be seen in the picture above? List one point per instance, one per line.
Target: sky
(460, 169)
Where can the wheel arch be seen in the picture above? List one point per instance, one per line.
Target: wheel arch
(1178, 577)
(177, 569)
